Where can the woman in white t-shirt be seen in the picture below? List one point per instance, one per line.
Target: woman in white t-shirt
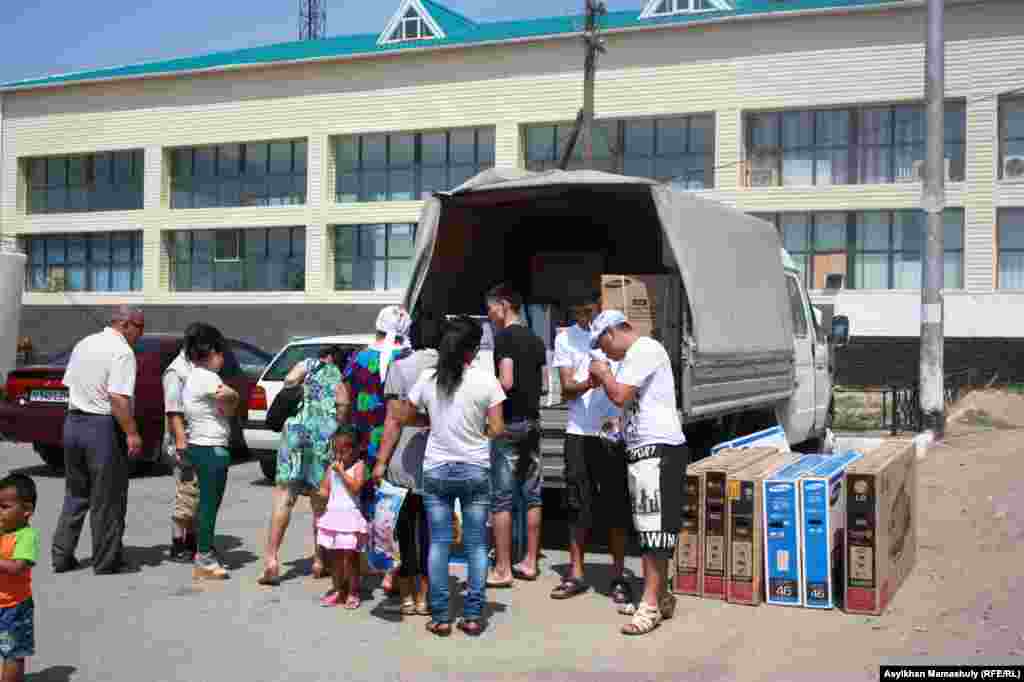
(208, 403)
(463, 404)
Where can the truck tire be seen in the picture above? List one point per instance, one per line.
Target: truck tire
(52, 455)
(268, 465)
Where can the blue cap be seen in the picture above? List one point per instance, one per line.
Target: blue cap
(602, 323)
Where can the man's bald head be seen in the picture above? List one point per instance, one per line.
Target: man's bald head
(130, 321)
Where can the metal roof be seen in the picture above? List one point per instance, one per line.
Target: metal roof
(460, 32)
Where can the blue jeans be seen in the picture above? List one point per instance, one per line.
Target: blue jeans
(471, 486)
(516, 463)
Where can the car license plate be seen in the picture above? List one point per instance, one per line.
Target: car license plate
(48, 396)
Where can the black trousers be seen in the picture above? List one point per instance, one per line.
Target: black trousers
(413, 537)
(96, 473)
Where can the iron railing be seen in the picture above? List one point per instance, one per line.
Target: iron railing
(901, 405)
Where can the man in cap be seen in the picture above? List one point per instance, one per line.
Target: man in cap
(656, 453)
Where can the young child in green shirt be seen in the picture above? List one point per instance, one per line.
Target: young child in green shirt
(19, 551)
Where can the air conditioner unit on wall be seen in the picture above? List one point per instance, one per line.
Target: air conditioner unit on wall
(764, 177)
(1013, 168)
(918, 170)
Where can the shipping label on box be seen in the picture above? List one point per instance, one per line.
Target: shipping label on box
(745, 576)
(687, 560)
(823, 520)
(881, 526)
(782, 532)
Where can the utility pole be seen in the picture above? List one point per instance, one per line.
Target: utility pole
(583, 131)
(933, 201)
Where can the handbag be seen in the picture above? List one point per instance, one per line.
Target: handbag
(286, 404)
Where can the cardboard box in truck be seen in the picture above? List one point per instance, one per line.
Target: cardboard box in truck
(823, 521)
(782, 532)
(881, 526)
(714, 526)
(649, 302)
(744, 581)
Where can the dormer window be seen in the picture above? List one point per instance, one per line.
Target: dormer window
(412, 21)
(660, 8)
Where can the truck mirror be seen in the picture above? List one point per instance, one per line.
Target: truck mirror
(840, 331)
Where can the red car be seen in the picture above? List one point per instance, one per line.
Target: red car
(36, 400)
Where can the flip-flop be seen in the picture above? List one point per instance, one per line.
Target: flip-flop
(352, 603)
(472, 627)
(501, 585)
(439, 629)
(270, 578)
(520, 574)
(569, 588)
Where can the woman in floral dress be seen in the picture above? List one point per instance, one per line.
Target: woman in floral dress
(363, 389)
(304, 454)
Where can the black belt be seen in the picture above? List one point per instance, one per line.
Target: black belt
(80, 413)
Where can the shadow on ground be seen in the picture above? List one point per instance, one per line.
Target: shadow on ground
(55, 673)
(388, 609)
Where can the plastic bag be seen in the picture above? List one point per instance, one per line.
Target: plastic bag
(382, 553)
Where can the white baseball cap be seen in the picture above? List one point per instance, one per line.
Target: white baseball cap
(602, 323)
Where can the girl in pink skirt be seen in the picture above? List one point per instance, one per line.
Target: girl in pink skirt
(343, 531)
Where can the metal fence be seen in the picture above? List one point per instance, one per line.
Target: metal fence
(901, 405)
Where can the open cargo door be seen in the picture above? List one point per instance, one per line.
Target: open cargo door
(737, 349)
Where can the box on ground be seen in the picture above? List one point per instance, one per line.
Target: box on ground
(881, 526)
(744, 582)
(822, 526)
(782, 532)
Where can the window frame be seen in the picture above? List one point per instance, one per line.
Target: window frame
(295, 257)
(483, 158)
(855, 145)
(90, 262)
(1002, 252)
(358, 256)
(94, 193)
(239, 183)
(1005, 138)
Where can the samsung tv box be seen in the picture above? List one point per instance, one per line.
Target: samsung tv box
(775, 437)
(782, 532)
(744, 580)
(822, 527)
(881, 526)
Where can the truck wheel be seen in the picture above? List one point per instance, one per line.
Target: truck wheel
(52, 455)
(268, 465)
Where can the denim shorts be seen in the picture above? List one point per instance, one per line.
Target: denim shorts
(516, 464)
(17, 631)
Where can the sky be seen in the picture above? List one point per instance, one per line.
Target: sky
(44, 37)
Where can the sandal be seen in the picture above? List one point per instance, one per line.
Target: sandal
(332, 598)
(622, 591)
(270, 578)
(471, 626)
(491, 582)
(667, 606)
(520, 574)
(353, 602)
(408, 608)
(569, 588)
(439, 629)
(645, 620)
(422, 610)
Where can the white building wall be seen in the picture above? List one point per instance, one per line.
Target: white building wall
(727, 70)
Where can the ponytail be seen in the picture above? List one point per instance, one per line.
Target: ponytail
(462, 338)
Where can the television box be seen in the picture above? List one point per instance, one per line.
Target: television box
(744, 581)
(881, 526)
(689, 546)
(714, 527)
(649, 302)
(774, 437)
(822, 524)
(782, 532)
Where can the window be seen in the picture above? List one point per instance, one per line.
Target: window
(110, 261)
(410, 27)
(230, 175)
(796, 304)
(255, 259)
(678, 149)
(373, 257)
(107, 181)
(410, 166)
(1011, 248)
(663, 7)
(1011, 138)
(872, 249)
(884, 144)
(295, 354)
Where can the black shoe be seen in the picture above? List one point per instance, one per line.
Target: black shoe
(120, 567)
(180, 552)
(71, 565)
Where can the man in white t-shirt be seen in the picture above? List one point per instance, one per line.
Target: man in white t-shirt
(595, 470)
(656, 452)
(100, 434)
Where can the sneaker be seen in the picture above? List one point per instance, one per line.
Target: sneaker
(208, 568)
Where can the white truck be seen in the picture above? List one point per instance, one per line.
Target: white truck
(748, 348)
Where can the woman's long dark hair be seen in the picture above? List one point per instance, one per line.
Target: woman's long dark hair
(462, 337)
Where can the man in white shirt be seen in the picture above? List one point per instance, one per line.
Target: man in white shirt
(595, 470)
(100, 434)
(656, 452)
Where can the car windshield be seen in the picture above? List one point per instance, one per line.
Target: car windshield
(295, 354)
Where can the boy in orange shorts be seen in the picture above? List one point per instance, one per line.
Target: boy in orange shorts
(19, 551)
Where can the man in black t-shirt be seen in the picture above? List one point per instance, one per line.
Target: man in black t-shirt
(519, 358)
